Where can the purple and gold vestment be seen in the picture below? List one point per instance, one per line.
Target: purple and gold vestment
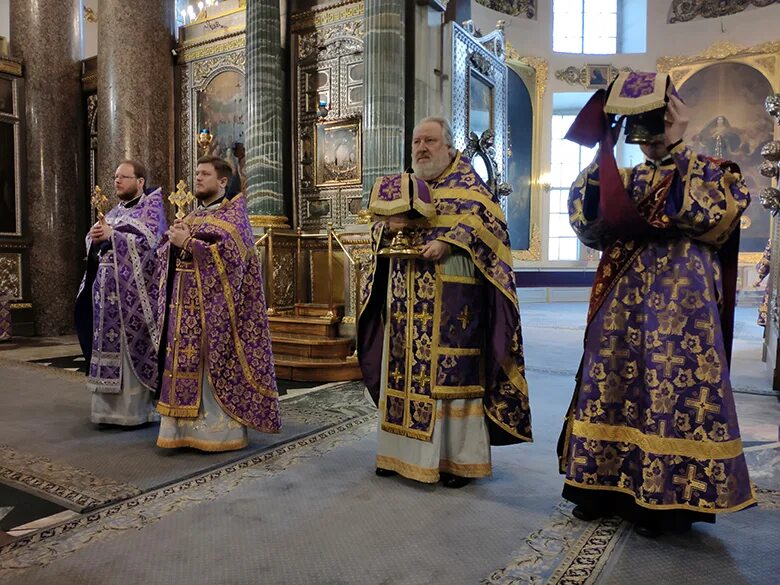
(123, 312)
(653, 413)
(450, 337)
(217, 323)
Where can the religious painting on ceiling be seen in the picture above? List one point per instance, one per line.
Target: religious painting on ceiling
(337, 153)
(728, 120)
(222, 111)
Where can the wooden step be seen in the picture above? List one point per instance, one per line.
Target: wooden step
(316, 369)
(314, 326)
(311, 346)
(317, 310)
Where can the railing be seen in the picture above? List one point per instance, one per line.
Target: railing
(267, 241)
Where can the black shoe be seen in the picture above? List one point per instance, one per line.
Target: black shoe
(382, 472)
(647, 532)
(454, 481)
(585, 514)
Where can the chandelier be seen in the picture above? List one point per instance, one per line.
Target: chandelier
(193, 11)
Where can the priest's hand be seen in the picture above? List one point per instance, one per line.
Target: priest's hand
(398, 222)
(436, 251)
(178, 233)
(100, 232)
(675, 120)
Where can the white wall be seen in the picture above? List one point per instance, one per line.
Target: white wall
(5, 18)
(534, 37)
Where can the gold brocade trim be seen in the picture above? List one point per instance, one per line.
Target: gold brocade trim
(410, 433)
(469, 196)
(455, 392)
(633, 105)
(459, 279)
(703, 449)
(726, 222)
(472, 470)
(178, 411)
(402, 394)
(222, 224)
(415, 472)
(449, 411)
(507, 429)
(491, 241)
(240, 353)
(459, 351)
(211, 446)
(642, 503)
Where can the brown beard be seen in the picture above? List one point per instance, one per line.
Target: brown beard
(203, 195)
(126, 196)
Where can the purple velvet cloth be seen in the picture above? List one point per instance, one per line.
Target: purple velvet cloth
(653, 413)
(449, 337)
(124, 307)
(218, 323)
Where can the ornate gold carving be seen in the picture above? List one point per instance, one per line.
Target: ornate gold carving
(718, 51)
(21, 305)
(89, 14)
(327, 14)
(11, 274)
(541, 66)
(10, 66)
(284, 281)
(268, 221)
(687, 10)
(203, 49)
(348, 35)
(534, 252)
(203, 69)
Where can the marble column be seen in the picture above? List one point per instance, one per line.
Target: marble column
(46, 35)
(264, 128)
(383, 117)
(135, 89)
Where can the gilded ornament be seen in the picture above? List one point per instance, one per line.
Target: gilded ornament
(772, 105)
(769, 169)
(181, 198)
(770, 199)
(771, 151)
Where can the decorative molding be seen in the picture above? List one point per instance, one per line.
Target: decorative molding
(687, 10)
(521, 8)
(10, 66)
(718, 51)
(326, 15)
(534, 251)
(201, 50)
(204, 70)
(332, 41)
(541, 66)
(579, 76)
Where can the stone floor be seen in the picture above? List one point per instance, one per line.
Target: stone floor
(313, 512)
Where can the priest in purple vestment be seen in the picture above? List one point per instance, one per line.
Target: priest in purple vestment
(117, 317)
(219, 374)
(439, 338)
(651, 433)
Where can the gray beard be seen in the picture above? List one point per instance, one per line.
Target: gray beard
(428, 171)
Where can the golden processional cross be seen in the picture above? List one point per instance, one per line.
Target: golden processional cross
(99, 202)
(181, 198)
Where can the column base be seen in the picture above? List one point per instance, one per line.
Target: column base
(269, 221)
